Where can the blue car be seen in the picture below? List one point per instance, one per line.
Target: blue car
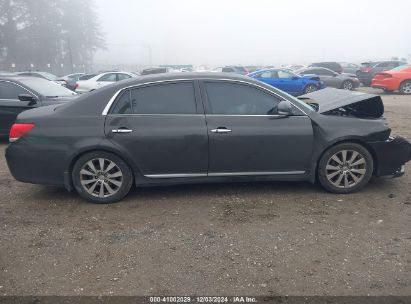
(289, 82)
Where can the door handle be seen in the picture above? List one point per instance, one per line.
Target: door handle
(221, 130)
(122, 130)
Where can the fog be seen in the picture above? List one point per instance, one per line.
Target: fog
(153, 32)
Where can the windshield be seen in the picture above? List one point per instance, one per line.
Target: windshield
(402, 67)
(47, 88)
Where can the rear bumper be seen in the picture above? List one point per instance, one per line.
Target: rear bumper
(36, 165)
(391, 156)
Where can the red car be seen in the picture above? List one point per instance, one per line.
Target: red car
(395, 79)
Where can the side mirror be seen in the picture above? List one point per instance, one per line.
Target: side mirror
(295, 78)
(31, 100)
(285, 108)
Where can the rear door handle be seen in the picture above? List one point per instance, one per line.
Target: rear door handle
(121, 130)
(221, 130)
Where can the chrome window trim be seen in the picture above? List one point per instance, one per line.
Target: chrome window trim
(202, 115)
(20, 87)
(222, 174)
(113, 98)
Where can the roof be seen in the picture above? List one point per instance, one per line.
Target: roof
(180, 76)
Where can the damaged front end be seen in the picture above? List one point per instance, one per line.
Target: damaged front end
(338, 102)
(356, 116)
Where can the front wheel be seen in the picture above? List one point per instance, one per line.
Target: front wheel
(405, 87)
(101, 177)
(310, 88)
(345, 168)
(348, 85)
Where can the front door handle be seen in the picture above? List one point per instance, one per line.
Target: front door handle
(122, 130)
(221, 130)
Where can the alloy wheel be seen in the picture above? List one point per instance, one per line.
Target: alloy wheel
(348, 85)
(346, 168)
(310, 88)
(406, 88)
(101, 177)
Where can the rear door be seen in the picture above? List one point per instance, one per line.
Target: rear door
(247, 136)
(162, 126)
(10, 105)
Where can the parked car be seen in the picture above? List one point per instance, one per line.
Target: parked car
(334, 66)
(331, 78)
(288, 81)
(350, 68)
(101, 80)
(155, 71)
(232, 69)
(18, 94)
(71, 80)
(43, 75)
(295, 67)
(236, 129)
(369, 69)
(398, 78)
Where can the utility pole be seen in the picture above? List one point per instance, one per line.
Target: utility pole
(70, 54)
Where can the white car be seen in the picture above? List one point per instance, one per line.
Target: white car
(101, 80)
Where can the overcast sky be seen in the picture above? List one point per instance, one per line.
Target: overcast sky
(217, 32)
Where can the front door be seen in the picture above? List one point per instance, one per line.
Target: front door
(248, 137)
(163, 127)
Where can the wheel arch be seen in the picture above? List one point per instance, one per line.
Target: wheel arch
(342, 141)
(68, 180)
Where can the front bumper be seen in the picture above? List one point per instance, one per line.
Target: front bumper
(391, 156)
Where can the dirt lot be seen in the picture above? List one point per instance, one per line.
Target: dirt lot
(254, 239)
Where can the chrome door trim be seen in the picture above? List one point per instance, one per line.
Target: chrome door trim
(222, 174)
(176, 175)
(255, 173)
(113, 98)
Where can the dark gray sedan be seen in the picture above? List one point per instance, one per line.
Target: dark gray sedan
(331, 78)
(19, 93)
(203, 127)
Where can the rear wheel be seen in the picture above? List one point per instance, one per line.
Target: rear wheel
(348, 85)
(310, 88)
(101, 177)
(345, 168)
(405, 87)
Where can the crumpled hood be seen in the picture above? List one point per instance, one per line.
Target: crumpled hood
(346, 103)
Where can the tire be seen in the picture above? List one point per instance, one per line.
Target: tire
(347, 85)
(101, 183)
(405, 87)
(344, 177)
(310, 88)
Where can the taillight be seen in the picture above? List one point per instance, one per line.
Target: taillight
(19, 130)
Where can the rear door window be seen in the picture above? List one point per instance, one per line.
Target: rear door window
(170, 98)
(111, 77)
(122, 76)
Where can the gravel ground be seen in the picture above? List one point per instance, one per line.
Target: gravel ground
(226, 239)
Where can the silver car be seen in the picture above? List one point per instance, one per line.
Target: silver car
(332, 79)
